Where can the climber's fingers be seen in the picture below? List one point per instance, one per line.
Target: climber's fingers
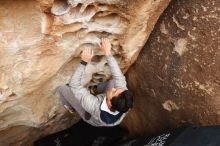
(92, 52)
(87, 54)
(99, 44)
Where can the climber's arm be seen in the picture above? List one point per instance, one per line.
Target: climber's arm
(86, 56)
(118, 77)
(87, 100)
(75, 80)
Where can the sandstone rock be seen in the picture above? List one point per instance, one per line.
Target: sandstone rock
(176, 77)
(40, 43)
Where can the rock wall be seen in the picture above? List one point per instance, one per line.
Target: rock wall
(40, 43)
(176, 78)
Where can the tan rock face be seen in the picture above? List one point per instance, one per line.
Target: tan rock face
(176, 77)
(40, 44)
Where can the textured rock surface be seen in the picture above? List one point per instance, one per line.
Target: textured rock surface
(40, 43)
(176, 77)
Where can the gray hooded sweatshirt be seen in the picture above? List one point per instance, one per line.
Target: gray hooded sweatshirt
(91, 103)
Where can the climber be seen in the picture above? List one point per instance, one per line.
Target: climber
(104, 104)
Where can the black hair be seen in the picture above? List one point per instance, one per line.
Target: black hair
(122, 102)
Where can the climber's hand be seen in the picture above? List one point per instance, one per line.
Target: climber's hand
(106, 46)
(87, 54)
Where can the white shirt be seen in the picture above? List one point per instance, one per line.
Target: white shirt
(104, 107)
